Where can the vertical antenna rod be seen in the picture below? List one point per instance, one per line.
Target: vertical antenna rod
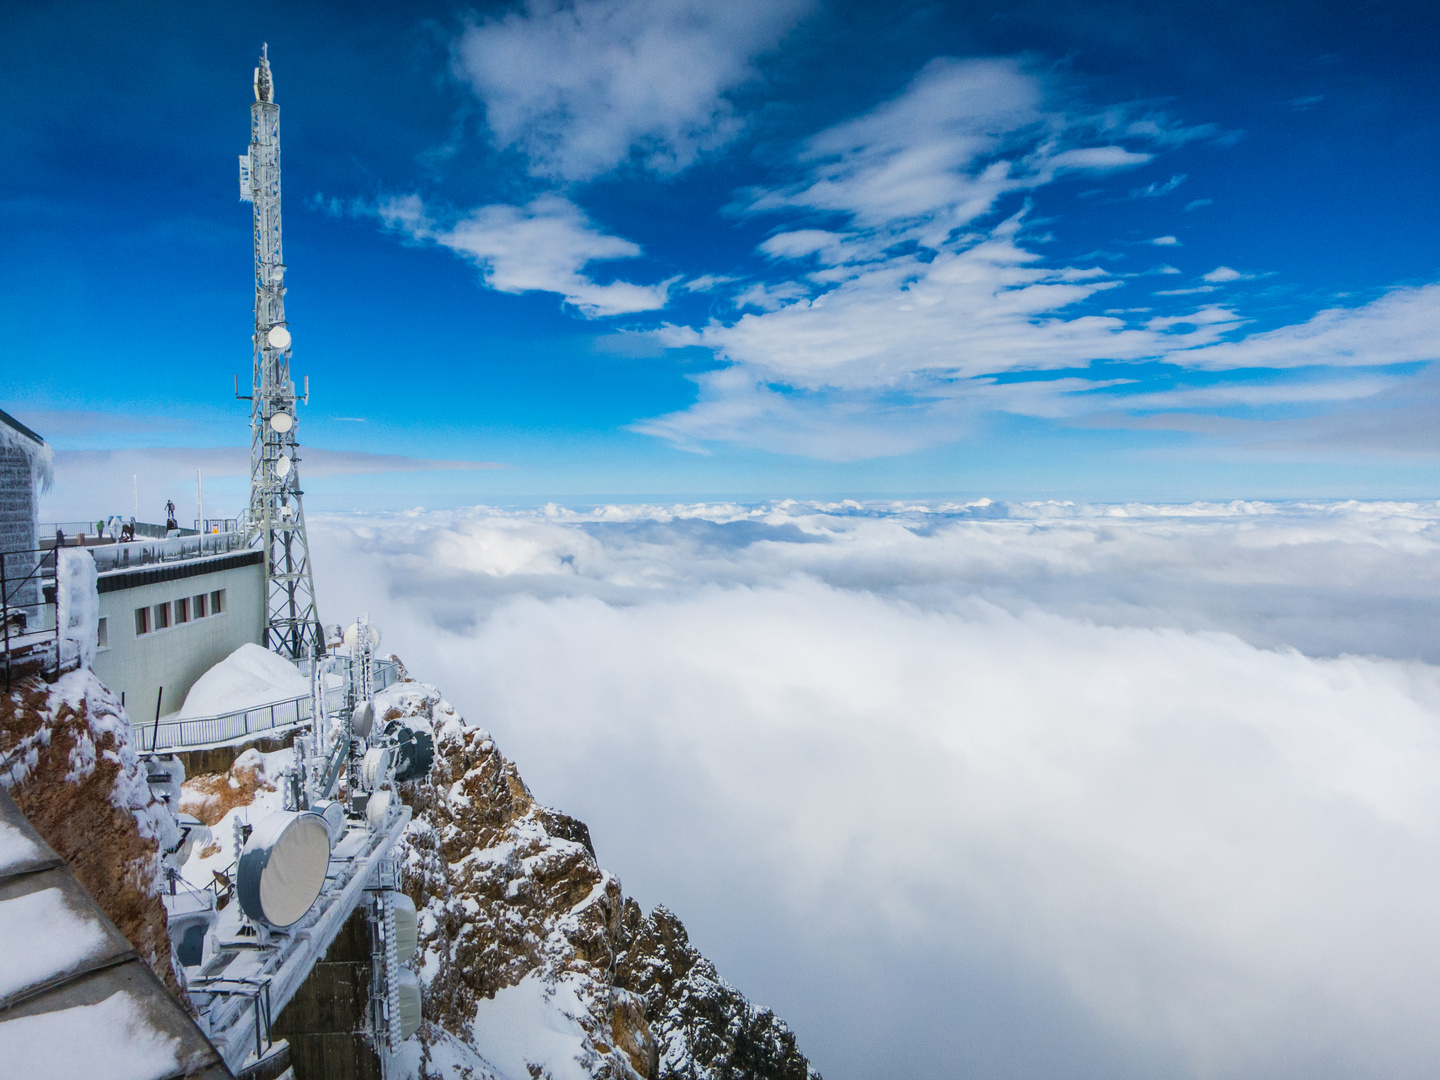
(275, 517)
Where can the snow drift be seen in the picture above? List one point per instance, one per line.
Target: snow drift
(249, 677)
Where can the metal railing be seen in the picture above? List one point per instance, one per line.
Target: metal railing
(197, 732)
(96, 532)
(150, 552)
(30, 646)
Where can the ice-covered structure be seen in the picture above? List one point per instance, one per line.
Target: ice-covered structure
(25, 468)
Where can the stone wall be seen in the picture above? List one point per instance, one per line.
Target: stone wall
(325, 1021)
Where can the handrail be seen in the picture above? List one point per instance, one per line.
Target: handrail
(202, 732)
(148, 552)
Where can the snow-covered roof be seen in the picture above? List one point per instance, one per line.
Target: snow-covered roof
(75, 999)
(42, 459)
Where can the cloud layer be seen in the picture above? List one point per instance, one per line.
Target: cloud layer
(1010, 789)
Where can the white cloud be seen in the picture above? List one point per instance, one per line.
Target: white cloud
(1226, 273)
(1165, 241)
(962, 134)
(544, 246)
(877, 332)
(932, 150)
(1007, 771)
(977, 309)
(707, 282)
(584, 86)
(1155, 189)
(1397, 328)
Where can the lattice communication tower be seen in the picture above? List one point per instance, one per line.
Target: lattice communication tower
(276, 517)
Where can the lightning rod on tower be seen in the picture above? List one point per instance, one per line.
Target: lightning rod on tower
(276, 517)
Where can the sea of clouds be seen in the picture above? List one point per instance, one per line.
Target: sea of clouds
(985, 789)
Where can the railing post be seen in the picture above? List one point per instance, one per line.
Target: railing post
(5, 614)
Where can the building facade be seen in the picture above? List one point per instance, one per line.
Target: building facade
(163, 626)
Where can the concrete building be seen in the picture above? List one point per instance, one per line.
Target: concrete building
(164, 624)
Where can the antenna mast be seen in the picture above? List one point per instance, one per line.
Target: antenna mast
(275, 517)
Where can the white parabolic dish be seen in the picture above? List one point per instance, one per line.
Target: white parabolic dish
(278, 337)
(282, 422)
(282, 867)
(352, 635)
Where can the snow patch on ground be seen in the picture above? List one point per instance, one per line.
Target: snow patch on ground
(535, 1023)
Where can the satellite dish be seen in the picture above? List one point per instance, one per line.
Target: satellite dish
(407, 927)
(375, 767)
(282, 422)
(282, 867)
(334, 815)
(407, 994)
(282, 465)
(378, 808)
(352, 635)
(362, 719)
(278, 337)
(414, 751)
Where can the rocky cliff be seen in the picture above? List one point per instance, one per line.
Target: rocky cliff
(534, 963)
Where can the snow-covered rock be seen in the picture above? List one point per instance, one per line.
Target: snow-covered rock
(533, 962)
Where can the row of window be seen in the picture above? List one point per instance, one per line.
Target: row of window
(177, 612)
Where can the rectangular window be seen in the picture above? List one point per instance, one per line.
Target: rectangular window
(217, 601)
(102, 634)
(182, 610)
(142, 621)
(162, 616)
(198, 606)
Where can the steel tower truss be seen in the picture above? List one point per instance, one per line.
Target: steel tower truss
(276, 517)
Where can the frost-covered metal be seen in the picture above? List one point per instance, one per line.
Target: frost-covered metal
(25, 469)
(276, 515)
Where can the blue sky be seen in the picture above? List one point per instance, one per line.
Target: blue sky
(1105, 250)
